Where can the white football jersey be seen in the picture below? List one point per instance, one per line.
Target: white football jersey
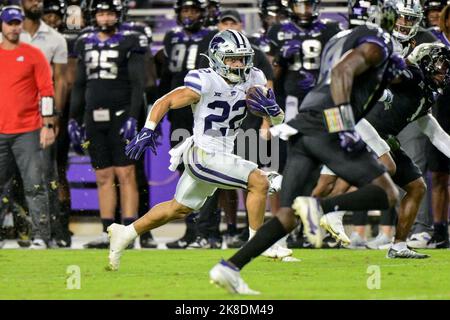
(221, 109)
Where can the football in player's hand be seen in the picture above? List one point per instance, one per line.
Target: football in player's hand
(253, 101)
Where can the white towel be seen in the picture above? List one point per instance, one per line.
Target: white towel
(176, 154)
(284, 131)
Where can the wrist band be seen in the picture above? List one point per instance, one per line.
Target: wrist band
(47, 107)
(150, 125)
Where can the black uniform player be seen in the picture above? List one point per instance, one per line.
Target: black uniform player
(182, 48)
(410, 34)
(438, 163)
(297, 46)
(412, 100)
(110, 83)
(212, 17)
(355, 69)
(271, 12)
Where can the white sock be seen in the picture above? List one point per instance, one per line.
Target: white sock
(131, 232)
(251, 233)
(399, 246)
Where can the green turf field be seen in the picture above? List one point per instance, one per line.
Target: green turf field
(183, 274)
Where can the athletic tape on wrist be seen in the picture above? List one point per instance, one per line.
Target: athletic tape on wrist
(47, 107)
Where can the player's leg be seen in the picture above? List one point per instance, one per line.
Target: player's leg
(190, 195)
(181, 124)
(129, 197)
(228, 200)
(376, 189)
(409, 206)
(207, 225)
(439, 166)
(99, 149)
(62, 156)
(258, 185)
(324, 186)
(295, 176)
(440, 201)
(409, 177)
(107, 200)
(416, 146)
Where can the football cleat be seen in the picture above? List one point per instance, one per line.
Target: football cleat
(332, 222)
(438, 243)
(405, 253)
(419, 240)
(119, 241)
(229, 278)
(310, 212)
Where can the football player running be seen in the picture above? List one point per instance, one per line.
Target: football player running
(355, 68)
(217, 98)
(411, 101)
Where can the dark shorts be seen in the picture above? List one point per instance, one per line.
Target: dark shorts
(106, 147)
(407, 171)
(307, 153)
(437, 161)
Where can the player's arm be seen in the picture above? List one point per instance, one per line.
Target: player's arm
(146, 138)
(175, 99)
(354, 63)
(438, 137)
(136, 76)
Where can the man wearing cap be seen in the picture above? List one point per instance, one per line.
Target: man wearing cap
(26, 119)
